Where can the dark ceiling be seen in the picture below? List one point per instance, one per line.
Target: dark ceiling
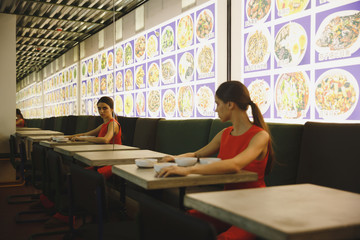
(46, 29)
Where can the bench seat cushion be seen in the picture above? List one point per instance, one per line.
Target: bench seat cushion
(330, 156)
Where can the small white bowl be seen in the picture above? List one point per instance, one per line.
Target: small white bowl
(145, 162)
(209, 160)
(186, 161)
(159, 166)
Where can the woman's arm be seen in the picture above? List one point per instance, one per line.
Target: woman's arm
(93, 132)
(256, 150)
(112, 130)
(208, 150)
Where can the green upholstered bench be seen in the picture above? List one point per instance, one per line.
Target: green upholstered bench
(330, 155)
(127, 129)
(286, 144)
(145, 133)
(180, 136)
(81, 124)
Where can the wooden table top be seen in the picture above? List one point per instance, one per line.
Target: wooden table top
(27, 129)
(104, 158)
(52, 144)
(302, 211)
(37, 133)
(71, 150)
(145, 178)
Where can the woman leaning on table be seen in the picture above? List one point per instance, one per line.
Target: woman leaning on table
(245, 145)
(108, 132)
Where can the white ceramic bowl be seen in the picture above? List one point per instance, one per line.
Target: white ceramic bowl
(186, 161)
(209, 160)
(145, 162)
(159, 166)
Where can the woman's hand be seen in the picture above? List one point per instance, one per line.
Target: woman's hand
(173, 170)
(167, 159)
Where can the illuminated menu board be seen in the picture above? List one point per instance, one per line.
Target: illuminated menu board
(301, 59)
(60, 92)
(168, 71)
(29, 101)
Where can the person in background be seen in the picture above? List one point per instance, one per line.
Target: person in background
(108, 132)
(244, 145)
(20, 121)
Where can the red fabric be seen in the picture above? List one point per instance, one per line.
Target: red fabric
(104, 128)
(46, 202)
(105, 171)
(63, 218)
(231, 146)
(235, 233)
(21, 123)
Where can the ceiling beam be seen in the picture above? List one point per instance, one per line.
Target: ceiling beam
(52, 30)
(41, 46)
(70, 5)
(47, 39)
(59, 19)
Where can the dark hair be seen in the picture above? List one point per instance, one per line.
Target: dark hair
(235, 91)
(18, 112)
(108, 101)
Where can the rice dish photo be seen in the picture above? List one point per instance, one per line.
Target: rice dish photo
(185, 101)
(140, 46)
(153, 75)
(257, 46)
(205, 59)
(139, 77)
(129, 80)
(140, 104)
(154, 102)
(169, 103)
(152, 46)
(336, 94)
(129, 105)
(168, 71)
(119, 81)
(185, 31)
(260, 94)
(205, 101)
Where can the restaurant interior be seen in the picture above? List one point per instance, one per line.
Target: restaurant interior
(161, 63)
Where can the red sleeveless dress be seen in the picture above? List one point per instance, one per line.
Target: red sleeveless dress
(231, 146)
(104, 128)
(21, 124)
(106, 171)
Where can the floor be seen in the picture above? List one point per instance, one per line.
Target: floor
(9, 229)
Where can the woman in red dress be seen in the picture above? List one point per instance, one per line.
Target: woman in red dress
(20, 121)
(108, 132)
(245, 145)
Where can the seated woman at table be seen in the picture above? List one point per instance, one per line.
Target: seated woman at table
(20, 121)
(108, 132)
(244, 145)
